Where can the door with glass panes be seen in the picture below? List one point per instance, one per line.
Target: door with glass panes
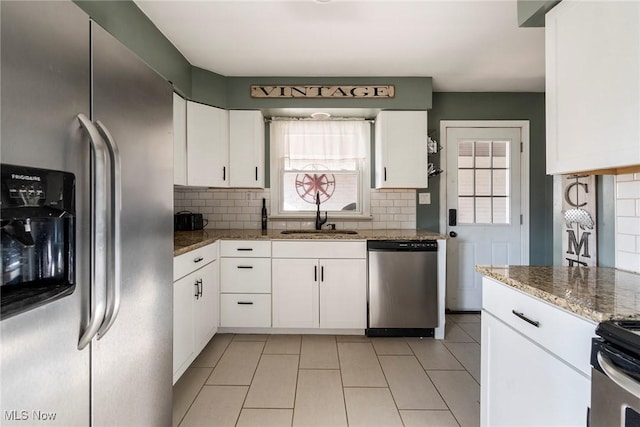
(483, 207)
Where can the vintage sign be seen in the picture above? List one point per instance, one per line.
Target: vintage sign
(579, 243)
(323, 91)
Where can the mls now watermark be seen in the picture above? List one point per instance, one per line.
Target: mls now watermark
(24, 415)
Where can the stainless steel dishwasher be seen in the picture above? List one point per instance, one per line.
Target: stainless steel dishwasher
(403, 288)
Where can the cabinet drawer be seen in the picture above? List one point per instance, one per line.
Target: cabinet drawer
(245, 310)
(562, 333)
(246, 275)
(314, 249)
(245, 248)
(193, 260)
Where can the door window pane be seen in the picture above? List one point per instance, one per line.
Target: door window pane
(500, 182)
(465, 182)
(465, 154)
(465, 210)
(483, 154)
(500, 210)
(483, 210)
(483, 182)
(500, 154)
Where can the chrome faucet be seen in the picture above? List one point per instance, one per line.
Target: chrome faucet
(319, 221)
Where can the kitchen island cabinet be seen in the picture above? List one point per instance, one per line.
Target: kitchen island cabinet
(319, 285)
(195, 304)
(535, 361)
(592, 87)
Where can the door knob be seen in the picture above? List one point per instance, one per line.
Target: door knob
(453, 234)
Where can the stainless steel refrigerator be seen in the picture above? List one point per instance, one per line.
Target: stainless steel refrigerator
(76, 100)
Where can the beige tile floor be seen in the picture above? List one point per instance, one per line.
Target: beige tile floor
(330, 381)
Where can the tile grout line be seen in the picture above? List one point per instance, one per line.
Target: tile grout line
(264, 344)
(344, 397)
(295, 392)
(205, 381)
(387, 381)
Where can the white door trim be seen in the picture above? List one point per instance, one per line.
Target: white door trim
(524, 171)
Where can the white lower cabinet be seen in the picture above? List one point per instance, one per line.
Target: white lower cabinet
(195, 305)
(526, 377)
(245, 298)
(313, 292)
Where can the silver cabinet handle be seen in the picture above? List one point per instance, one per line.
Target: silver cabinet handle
(618, 377)
(98, 283)
(115, 243)
(526, 319)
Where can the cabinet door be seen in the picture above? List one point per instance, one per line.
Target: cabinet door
(207, 146)
(183, 298)
(179, 140)
(343, 293)
(246, 149)
(206, 310)
(592, 126)
(522, 384)
(401, 149)
(295, 293)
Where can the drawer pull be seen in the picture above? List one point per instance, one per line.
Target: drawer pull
(245, 303)
(198, 259)
(245, 249)
(526, 319)
(244, 266)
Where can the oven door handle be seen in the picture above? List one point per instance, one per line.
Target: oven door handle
(617, 376)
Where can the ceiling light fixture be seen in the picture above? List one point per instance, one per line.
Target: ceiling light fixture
(320, 115)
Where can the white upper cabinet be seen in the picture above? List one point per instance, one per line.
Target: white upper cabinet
(246, 149)
(207, 146)
(401, 149)
(179, 140)
(593, 86)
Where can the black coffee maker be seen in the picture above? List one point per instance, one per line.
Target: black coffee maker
(37, 219)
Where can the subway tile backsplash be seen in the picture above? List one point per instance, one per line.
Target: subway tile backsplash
(240, 209)
(628, 222)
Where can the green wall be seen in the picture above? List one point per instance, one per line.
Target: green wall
(500, 106)
(531, 12)
(128, 24)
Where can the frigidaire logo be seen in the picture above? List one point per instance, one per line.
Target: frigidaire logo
(25, 177)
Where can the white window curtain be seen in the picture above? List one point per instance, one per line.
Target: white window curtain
(306, 140)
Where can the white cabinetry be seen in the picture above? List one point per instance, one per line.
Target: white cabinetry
(245, 299)
(592, 86)
(532, 374)
(179, 140)
(401, 149)
(207, 146)
(319, 285)
(246, 149)
(195, 305)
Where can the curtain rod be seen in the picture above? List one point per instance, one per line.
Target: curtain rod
(344, 119)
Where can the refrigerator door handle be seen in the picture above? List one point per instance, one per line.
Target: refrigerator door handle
(115, 271)
(98, 232)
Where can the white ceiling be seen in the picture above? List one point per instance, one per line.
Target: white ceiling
(466, 46)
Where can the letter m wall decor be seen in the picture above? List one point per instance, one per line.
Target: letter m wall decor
(579, 244)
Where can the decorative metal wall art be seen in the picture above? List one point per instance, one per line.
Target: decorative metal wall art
(579, 244)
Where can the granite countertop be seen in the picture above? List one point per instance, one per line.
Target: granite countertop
(185, 241)
(596, 293)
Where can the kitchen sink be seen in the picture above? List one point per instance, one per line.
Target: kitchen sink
(319, 232)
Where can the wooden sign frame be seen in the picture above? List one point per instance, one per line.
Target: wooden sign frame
(323, 91)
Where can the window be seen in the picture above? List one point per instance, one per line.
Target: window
(327, 159)
(483, 182)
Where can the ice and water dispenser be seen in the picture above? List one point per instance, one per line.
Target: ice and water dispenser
(38, 237)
